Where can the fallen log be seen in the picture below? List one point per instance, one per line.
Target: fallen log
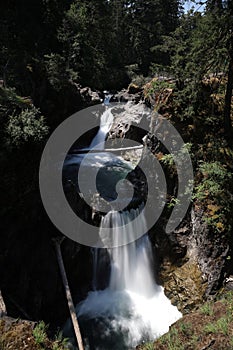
(57, 242)
(93, 150)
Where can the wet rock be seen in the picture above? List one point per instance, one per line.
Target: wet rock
(134, 89)
(228, 283)
(131, 121)
(91, 97)
(183, 285)
(131, 94)
(210, 251)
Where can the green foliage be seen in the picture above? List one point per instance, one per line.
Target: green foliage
(58, 74)
(173, 202)
(193, 341)
(60, 343)
(20, 335)
(194, 330)
(214, 189)
(83, 42)
(186, 328)
(223, 325)
(216, 179)
(207, 309)
(160, 70)
(173, 160)
(172, 340)
(148, 346)
(215, 184)
(168, 160)
(22, 132)
(178, 157)
(149, 21)
(220, 326)
(197, 49)
(39, 333)
(29, 125)
(157, 86)
(11, 101)
(211, 328)
(2, 344)
(40, 336)
(20, 121)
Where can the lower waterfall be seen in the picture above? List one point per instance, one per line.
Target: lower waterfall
(133, 308)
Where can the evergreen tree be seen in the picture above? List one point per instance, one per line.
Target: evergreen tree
(82, 42)
(151, 20)
(224, 11)
(199, 47)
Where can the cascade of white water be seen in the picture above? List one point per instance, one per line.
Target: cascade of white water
(133, 306)
(105, 125)
(95, 253)
(130, 263)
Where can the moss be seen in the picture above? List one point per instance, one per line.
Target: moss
(184, 285)
(20, 334)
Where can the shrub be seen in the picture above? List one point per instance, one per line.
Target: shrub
(39, 333)
(214, 192)
(28, 125)
(207, 309)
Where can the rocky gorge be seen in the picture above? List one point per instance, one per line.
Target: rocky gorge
(194, 261)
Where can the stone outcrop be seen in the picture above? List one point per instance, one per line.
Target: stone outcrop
(210, 250)
(131, 121)
(192, 259)
(90, 97)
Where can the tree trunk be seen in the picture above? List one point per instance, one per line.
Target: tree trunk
(68, 294)
(2, 306)
(228, 98)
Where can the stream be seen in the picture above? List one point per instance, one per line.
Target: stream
(132, 308)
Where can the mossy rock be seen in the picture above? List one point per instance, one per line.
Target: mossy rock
(184, 285)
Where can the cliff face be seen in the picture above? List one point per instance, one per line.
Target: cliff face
(193, 260)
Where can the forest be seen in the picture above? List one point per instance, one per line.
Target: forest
(54, 55)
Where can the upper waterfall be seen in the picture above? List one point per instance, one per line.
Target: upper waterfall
(105, 125)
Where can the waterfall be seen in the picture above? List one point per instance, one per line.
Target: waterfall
(125, 306)
(130, 263)
(95, 253)
(133, 308)
(107, 98)
(105, 125)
